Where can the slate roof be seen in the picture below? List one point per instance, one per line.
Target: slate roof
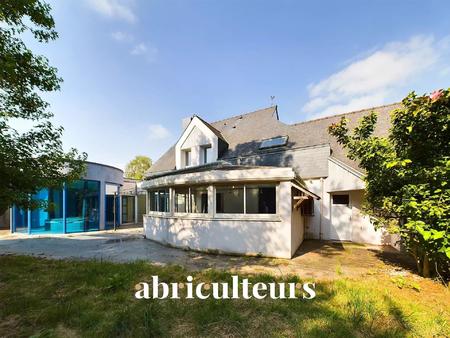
(244, 133)
(129, 186)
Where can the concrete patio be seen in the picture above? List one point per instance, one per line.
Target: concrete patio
(314, 259)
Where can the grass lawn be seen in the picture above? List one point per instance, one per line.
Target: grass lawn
(50, 298)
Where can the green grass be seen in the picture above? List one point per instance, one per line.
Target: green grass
(48, 298)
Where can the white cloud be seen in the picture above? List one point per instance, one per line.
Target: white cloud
(149, 52)
(139, 49)
(122, 36)
(158, 132)
(381, 76)
(119, 9)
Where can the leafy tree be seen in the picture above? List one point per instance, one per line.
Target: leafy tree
(31, 159)
(137, 167)
(408, 175)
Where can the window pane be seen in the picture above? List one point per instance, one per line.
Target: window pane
(199, 200)
(340, 199)
(207, 154)
(153, 196)
(82, 206)
(273, 142)
(181, 199)
(112, 207)
(230, 200)
(50, 218)
(260, 200)
(187, 157)
(163, 200)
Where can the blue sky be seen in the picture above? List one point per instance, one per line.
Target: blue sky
(133, 69)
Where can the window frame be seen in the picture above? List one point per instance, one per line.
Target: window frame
(259, 186)
(246, 215)
(169, 201)
(207, 200)
(340, 195)
(187, 154)
(188, 202)
(205, 149)
(212, 213)
(228, 186)
(284, 140)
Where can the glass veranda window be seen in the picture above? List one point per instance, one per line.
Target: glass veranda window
(153, 197)
(159, 200)
(260, 199)
(199, 200)
(181, 199)
(163, 201)
(230, 200)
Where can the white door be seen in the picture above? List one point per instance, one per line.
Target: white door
(341, 213)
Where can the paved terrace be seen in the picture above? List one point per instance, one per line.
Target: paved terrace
(314, 259)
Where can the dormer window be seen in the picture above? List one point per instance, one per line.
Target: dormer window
(199, 144)
(187, 158)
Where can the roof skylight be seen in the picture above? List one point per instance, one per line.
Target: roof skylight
(273, 142)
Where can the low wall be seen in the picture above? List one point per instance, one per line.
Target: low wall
(270, 238)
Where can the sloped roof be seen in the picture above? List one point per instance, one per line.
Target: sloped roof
(244, 133)
(214, 130)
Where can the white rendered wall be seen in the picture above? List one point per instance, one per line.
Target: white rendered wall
(344, 181)
(268, 235)
(313, 225)
(297, 229)
(196, 135)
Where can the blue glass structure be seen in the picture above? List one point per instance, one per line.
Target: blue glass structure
(73, 208)
(82, 206)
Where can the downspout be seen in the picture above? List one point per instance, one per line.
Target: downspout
(321, 208)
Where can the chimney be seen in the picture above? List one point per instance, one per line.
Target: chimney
(185, 122)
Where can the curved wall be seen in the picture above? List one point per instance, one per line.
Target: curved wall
(103, 172)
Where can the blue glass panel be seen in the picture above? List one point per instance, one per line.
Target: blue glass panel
(50, 218)
(82, 206)
(20, 220)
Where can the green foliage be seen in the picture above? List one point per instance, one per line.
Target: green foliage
(408, 174)
(34, 158)
(137, 167)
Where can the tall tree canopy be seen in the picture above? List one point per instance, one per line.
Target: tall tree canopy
(408, 175)
(34, 158)
(137, 167)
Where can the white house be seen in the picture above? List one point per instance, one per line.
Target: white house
(251, 184)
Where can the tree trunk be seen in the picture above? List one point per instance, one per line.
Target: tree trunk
(426, 266)
(419, 265)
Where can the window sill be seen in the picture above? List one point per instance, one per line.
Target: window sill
(220, 217)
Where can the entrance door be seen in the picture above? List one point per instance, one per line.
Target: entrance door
(341, 212)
